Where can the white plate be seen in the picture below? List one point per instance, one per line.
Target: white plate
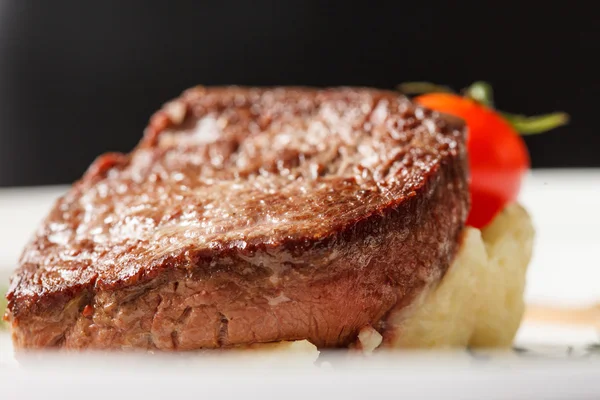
(565, 271)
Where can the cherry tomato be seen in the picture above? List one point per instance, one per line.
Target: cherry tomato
(498, 156)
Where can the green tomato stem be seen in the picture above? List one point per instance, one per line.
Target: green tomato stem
(481, 92)
(536, 124)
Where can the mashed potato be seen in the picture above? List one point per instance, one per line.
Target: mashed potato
(479, 302)
(297, 346)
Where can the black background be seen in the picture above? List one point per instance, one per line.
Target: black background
(78, 78)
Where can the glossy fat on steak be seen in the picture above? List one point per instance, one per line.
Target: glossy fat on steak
(249, 215)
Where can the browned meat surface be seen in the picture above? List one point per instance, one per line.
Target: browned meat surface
(248, 215)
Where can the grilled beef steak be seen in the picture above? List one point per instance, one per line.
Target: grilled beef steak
(249, 215)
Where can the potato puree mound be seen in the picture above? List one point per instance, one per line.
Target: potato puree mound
(479, 302)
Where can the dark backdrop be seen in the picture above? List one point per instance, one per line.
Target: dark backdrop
(78, 78)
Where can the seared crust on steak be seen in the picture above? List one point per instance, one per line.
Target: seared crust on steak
(248, 215)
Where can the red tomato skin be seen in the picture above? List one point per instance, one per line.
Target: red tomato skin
(498, 156)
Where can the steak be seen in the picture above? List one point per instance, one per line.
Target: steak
(249, 215)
